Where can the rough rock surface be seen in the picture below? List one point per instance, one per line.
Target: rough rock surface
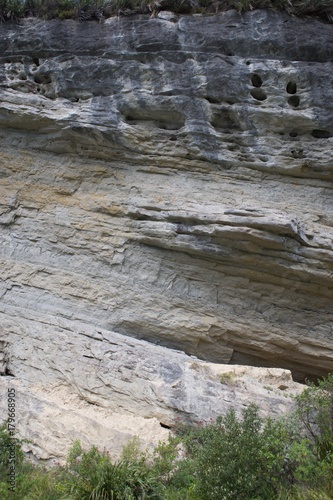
(106, 388)
(169, 180)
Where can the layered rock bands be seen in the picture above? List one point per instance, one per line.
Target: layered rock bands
(166, 180)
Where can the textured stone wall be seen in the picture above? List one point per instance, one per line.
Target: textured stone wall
(169, 180)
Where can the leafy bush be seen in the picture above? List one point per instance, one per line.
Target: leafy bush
(315, 412)
(91, 476)
(240, 458)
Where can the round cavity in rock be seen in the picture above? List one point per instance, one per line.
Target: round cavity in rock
(258, 94)
(291, 88)
(36, 61)
(320, 134)
(293, 134)
(42, 79)
(212, 100)
(256, 80)
(23, 76)
(294, 101)
(248, 63)
(38, 79)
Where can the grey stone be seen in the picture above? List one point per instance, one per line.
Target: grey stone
(167, 182)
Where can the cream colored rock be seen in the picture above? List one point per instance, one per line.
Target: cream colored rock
(103, 389)
(51, 419)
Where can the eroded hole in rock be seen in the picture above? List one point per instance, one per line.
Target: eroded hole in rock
(291, 88)
(256, 80)
(226, 120)
(165, 426)
(22, 76)
(36, 61)
(212, 100)
(167, 125)
(38, 79)
(320, 134)
(258, 94)
(293, 134)
(297, 153)
(294, 101)
(163, 119)
(42, 79)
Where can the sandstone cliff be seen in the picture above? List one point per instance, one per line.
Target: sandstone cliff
(165, 180)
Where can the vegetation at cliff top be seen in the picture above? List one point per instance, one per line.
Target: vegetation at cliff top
(247, 458)
(101, 9)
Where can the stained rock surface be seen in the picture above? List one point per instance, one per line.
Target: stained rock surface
(166, 180)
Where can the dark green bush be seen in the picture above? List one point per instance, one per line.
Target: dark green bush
(240, 458)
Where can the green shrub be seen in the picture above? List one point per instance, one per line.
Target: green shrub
(241, 459)
(92, 476)
(32, 482)
(11, 9)
(315, 412)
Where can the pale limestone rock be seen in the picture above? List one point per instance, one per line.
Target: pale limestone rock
(167, 180)
(103, 389)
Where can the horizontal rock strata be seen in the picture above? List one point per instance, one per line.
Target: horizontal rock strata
(163, 181)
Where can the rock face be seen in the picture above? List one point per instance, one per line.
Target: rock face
(167, 180)
(106, 388)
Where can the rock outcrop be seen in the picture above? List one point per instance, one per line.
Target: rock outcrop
(169, 180)
(104, 388)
